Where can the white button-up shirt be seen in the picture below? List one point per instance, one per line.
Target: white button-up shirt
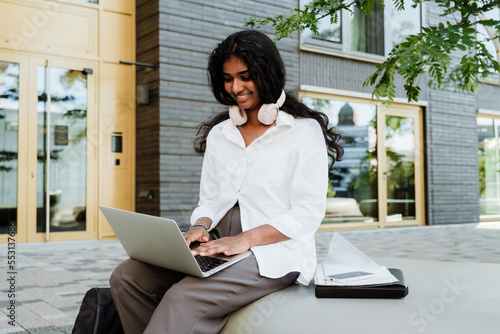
(280, 179)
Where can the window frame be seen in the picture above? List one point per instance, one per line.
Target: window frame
(343, 49)
(399, 108)
(492, 79)
(493, 115)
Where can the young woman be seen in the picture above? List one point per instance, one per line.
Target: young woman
(263, 188)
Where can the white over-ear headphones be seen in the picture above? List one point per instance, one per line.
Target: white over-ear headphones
(267, 113)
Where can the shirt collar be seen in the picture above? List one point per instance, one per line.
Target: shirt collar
(231, 132)
(282, 119)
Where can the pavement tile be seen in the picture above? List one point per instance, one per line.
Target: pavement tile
(50, 287)
(47, 330)
(26, 318)
(12, 330)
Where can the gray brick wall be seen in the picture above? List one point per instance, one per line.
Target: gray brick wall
(184, 35)
(451, 151)
(322, 70)
(488, 97)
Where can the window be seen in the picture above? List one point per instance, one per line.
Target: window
(489, 165)
(379, 181)
(486, 39)
(374, 34)
(353, 180)
(327, 31)
(483, 35)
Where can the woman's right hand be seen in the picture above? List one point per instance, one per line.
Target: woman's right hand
(196, 233)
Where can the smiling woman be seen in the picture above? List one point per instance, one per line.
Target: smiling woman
(263, 187)
(239, 85)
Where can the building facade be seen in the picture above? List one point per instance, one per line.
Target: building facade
(67, 117)
(409, 164)
(122, 87)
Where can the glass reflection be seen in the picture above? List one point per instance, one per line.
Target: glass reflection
(400, 168)
(62, 173)
(485, 38)
(375, 34)
(353, 196)
(367, 31)
(403, 23)
(489, 166)
(328, 31)
(9, 118)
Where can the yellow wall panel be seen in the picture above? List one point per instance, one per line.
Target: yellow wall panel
(117, 117)
(122, 6)
(49, 27)
(117, 37)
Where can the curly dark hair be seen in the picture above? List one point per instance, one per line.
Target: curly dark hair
(267, 70)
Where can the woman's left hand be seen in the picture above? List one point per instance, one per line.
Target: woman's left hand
(228, 246)
(261, 235)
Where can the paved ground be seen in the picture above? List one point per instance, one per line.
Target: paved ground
(50, 279)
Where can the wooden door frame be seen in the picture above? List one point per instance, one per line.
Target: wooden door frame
(396, 108)
(92, 160)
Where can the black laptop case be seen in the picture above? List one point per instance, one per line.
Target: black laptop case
(393, 290)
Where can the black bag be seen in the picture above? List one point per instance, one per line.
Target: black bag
(98, 314)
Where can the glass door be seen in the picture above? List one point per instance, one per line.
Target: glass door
(64, 159)
(379, 181)
(62, 149)
(13, 159)
(48, 165)
(9, 146)
(401, 166)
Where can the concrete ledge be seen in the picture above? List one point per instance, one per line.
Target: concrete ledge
(445, 297)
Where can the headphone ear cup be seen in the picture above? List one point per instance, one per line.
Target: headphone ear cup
(268, 113)
(237, 116)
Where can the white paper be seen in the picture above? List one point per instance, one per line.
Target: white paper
(345, 257)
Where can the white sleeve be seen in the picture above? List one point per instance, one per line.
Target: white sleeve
(209, 189)
(309, 187)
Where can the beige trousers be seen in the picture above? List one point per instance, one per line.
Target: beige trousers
(155, 300)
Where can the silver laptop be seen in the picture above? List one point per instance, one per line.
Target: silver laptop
(160, 242)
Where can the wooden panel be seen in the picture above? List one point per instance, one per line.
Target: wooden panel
(53, 28)
(122, 6)
(117, 116)
(117, 37)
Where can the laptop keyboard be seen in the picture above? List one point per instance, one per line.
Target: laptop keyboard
(208, 263)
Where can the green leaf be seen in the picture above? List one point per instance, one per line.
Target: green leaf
(433, 48)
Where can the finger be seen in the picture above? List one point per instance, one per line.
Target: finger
(209, 248)
(205, 237)
(219, 247)
(201, 232)
(188, 239)
(192, 236)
